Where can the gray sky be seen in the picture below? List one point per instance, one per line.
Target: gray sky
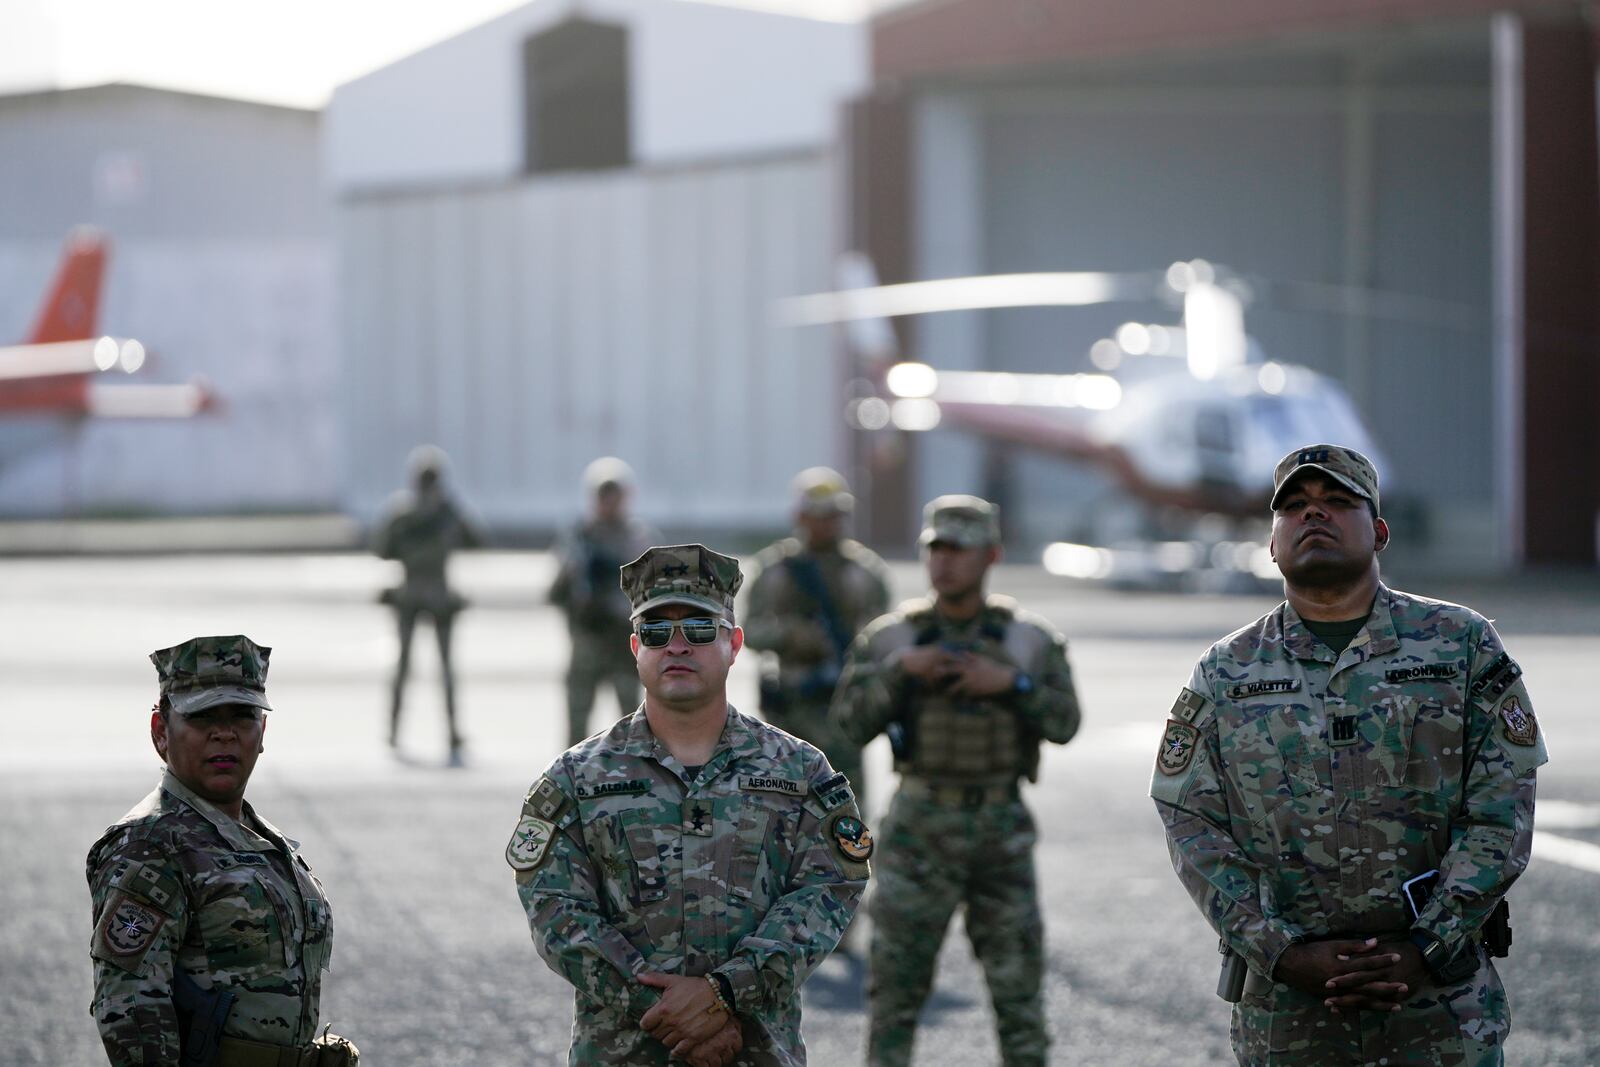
(281, 51)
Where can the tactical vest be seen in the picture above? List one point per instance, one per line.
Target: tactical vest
(964, 738)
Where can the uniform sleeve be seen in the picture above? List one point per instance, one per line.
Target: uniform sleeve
(1053, 702)
(824, 883)
(878, 604)
(561, 591)
(764, 626)
(561, 894)
(1491, 834)
(140, 913)
(1191, 796)
(871, 690)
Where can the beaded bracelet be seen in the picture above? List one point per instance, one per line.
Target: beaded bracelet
(718, 1005)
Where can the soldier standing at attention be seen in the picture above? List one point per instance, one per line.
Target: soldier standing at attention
(1347, 787)
(966, 686)
(585, 588)
(810, 595)
(687, 869)
(421, 528)
(210, 932)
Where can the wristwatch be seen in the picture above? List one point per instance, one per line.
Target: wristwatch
(1022, 685)
(1445, 966)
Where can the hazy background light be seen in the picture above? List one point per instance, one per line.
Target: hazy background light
(914, 414)
(1098, 392)
(1077, 561)
(1105, 354)
(1272, 378)
(131, 356)
(912, 380)
(105, 353)
(1134, 338)
(868, 413)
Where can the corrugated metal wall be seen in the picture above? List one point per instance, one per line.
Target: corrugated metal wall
(529, 328)
(221, 262)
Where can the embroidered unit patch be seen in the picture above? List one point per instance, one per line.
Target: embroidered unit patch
(1177, 747)
(529, 843)
(1521, 727)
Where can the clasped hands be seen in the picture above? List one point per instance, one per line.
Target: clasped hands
(688, 1020)
(957, 671)
(1354, 975)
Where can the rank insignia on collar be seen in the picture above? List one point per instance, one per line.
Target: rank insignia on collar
(529, 843)
(1520, 725)
(1177, 747)
(852, 838)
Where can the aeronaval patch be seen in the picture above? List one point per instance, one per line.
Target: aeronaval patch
(127, 932)
(770, 784)
(1177, 747)
(852, 838)
(529, 843)
(1521, 727)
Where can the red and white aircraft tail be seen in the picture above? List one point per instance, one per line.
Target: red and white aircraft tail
(52, 372)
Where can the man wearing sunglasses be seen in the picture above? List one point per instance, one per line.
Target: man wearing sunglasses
(687, 869)
(966, 686)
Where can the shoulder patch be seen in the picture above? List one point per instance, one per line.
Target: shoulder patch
(1497, 677)
(1521, 728)
(545, 799)
(1178, 743)
(769, 784)
(1190, 706)
(530, 843)
(834, 791)
(126, 932)
(148, 883)
(852, 843)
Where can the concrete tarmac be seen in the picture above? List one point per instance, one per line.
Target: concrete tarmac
(433, 964)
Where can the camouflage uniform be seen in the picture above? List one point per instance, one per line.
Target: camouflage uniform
(750, 869)
(586, 590)
(179, 885)
(1301, 788)
(784, 617)
(957, 832)
(421, 529)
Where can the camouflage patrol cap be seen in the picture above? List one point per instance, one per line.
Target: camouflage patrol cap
(964, 521)
(1344, 465)
(682, 574)
(822, 491)
(206, 672)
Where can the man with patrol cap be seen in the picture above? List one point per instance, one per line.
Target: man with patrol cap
(421, 529)
(210, 932)
(810, 595)
(966, 686)
(688, 868)
(1347, 786)
(585, 589)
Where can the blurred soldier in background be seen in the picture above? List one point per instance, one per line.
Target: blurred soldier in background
(1347, 786)
(590, 558)
(211, 933)
(966, 686)
(687, 869)
(420, 529)
(810, 595)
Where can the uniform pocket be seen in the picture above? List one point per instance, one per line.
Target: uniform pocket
(1435, 754)
(1266, 760)
(239, 923)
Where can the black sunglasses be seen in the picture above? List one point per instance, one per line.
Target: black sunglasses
(657, 633)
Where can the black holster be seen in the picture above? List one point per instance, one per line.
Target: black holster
(201, 1014)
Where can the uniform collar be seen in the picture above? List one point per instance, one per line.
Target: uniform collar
(737, 739)
(230, 830)
(1377, 636)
